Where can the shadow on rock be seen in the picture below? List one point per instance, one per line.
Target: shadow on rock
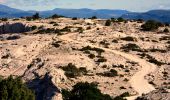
(44, 88)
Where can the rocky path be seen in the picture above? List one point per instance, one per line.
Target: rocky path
(138, 82)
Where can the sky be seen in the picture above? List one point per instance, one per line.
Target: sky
(131, 5)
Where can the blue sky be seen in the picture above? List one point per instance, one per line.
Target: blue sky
(131, 5)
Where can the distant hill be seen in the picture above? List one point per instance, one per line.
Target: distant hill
(159, 15)
(6, 11)
(85, 13)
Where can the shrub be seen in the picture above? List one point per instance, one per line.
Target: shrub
(80, 29)
(65, 29)
(35, 16)
(33, 27)
(113, 19)
(150, 25)
(52, 22)
(166, 30)
(28, 18)
(93, 17)
(128, 38)
(111, 73)
(85, 91)
(108, 22)
(56, 16)
(4, 19)
(14, 89)
(131, 46)
(120, 19)
(72, 71)
(121, 97)
(48, 30)
(56, 44)
(101, 60)
(93, 49)
(166, 24)
(115, 41)
(151, 59)
(13, 37)
(91, 56)
(74, 18)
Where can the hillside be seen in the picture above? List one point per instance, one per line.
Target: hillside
(159, 15)
(55, 54)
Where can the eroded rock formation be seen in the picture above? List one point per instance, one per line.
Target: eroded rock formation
(13, 28)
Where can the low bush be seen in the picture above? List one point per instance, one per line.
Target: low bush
(74, 18)
(91, 56)
(151, 59)
(120, 19)
(72, 71)
(85, 91)
(128, 38)
(150, 25)
(56, 16)
(93, 17)
(93, 49)
(66, 29)
(121, 97)
(4, 19)
(108, 22)
(166, 30)
(131, 46)
(33, 27)
(101, 60)
(48, 30)
(56, 44)
(111, 73)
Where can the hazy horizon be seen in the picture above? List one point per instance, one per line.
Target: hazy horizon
(130, 5)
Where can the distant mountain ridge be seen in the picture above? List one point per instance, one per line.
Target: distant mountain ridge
(85, 13)
(159, 15)
(6, 11)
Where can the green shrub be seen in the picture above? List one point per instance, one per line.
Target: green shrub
(33, 27)
(166, 30)
(113, 19)
(56, 16)
(14, 89)
(93, 49)
(121, 97)
(101, 60)
(150, 25)
(74, 18)
(48, 30)
(56, 44)
(151, 59)
(80, 30)
(115, 41)
(66, 29)
(120, 19)
(52, 22)
(93, 17)
(111, 73)
(4, 19)
(108, 22)
(131, 46)
(72, 71)
(85, 91)
(35, 16)
(128, 38)
(91, 56)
